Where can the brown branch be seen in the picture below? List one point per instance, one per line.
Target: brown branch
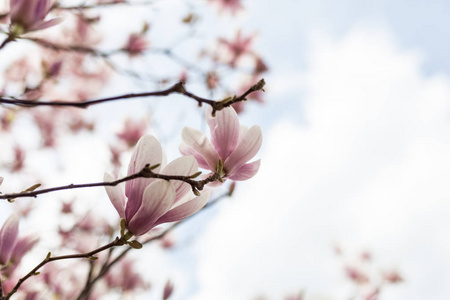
(176, 88)
(71, 48)
(146, 172)
(104, 4)
(49, 258)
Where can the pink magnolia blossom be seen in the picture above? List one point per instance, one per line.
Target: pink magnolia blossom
(231, 5)
(22, 246)
(8, 238)
(125, 277)
(148, 202)
(132, 131)
(231, 143)
(238, 47)
(30, 14)
(136, 44)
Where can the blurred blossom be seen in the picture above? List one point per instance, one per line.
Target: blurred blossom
(230, 143)
(237, 48)
(132, 131)
(260, 66)
(19, 158)
(392, 276)
(356, 275)
(22, 246)
(6, 119)
(136, 44)
(29, 15)
(212, 80)
(125, 277)
(148, 202)
(8, 238)
(46, 127)
(168, 290)
(231, 5)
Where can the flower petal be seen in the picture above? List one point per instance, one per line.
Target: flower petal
(8, 238)
(185, 210)
(246, 150)
(23, 245)
(147, 151)
(116, 195)
(184, 166)
(158, 198)
(197, 141)
(45, 24)
(187, 151)
(245, 172)
(224, 130)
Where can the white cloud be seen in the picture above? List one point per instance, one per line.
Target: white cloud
(369, 169)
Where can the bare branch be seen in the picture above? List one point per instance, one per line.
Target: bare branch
(49, 258)
(176, 88)
(146, 172)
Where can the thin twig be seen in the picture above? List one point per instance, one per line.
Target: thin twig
(176, 88)
(146, 172)
(49, 258)
(97, 5)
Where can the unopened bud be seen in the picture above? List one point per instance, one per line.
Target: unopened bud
(135, 244)
(122, 226)
(33, 187)
(196, 192)
(195, 175)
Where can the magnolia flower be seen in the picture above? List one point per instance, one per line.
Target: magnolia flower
(29, 15)
(231, 145)
(8, 238)
(22, 246)
(136, 44)
(231, 5)
(148, 202)
(238, 47)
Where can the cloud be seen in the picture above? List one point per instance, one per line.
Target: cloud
(368, 167)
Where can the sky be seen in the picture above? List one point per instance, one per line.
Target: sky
(356, 153)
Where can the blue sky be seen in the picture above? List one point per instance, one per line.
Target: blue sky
(355, 152)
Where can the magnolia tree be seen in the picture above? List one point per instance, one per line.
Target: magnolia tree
(62, 59)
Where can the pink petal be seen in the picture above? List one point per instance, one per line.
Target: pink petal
(185, 210)
(184, 166)
(8, 238)
(187, 151)
(22, 246)
(147, 151)
(116, 195)
(45, 24)
(246, 150)
(157, 200)
(245, 172)
(197, 141)
(224, 130)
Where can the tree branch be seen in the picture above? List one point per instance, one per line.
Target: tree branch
(146, 172)
(176, 88)
(49, 258)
